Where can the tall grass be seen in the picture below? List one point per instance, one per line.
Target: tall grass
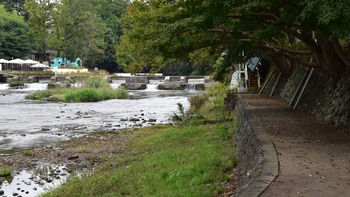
(87, 94)
(210, 105)
(94, 89)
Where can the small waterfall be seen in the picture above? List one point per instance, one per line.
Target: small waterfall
(192, 83)
(191, 86)
(35, 86)
(4, 86)
(115, 85)
(153, 85)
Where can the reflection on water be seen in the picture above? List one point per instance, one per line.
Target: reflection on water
(34, 182)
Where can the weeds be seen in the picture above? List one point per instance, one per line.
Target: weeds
(5, 172)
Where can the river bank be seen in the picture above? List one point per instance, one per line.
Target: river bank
(135, 155)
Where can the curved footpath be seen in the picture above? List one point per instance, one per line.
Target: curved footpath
(313, 157)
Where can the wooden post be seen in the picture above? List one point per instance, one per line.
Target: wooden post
(299, 86)
(267, 81)
(274, 87)
(302, 90)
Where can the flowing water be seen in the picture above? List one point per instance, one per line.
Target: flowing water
(26, 123)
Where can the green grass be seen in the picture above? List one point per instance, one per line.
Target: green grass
(5, 172)
(188, 160)
(94, 89)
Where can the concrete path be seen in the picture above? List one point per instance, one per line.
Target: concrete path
(314, 158)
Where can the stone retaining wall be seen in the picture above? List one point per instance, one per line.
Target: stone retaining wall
(249, 152)
(327, 99)
(257, 158)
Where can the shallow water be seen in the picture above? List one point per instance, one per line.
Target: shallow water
(34, 182)
(25, 123)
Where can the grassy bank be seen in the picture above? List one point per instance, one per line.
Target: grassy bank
(188, 160)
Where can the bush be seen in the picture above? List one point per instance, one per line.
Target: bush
(94, 89)
(197, 101)
(122, 93)
(95, 94)
(210, 105)
(5, 172)
(96, 82)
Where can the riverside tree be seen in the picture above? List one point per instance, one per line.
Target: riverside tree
(312, 33)
(78, 28)
(40, 20)
(15, 40)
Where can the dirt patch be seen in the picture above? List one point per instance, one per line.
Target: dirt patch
(85, 152)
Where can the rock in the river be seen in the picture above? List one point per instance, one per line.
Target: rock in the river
(2, 192)
(134, 119)
(152, 120)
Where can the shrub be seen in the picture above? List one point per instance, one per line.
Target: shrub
(5, 172)
(96, 82)
(95, 94)
(210, 105)
(122, 93)
(94, 89)
(197, 101)
(82, 95)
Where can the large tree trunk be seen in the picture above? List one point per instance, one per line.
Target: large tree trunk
(330, 61)
(325, 54)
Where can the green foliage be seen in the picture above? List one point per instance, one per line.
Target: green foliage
(171, 32)
(14, 6)
(94, 89)
(182, 117)
(94, 94)
(15, 40)
(5, 172)
(40, 21)
(284, 33)
(161, 161)
(210, 105)
(41, 94)
(95, 82)
(197, 101)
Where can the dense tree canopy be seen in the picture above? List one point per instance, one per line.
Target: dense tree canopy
(311, 33)
(15, 41)
(78, 28)
(14, 5)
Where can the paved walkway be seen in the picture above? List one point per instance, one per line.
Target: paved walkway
(314, 158)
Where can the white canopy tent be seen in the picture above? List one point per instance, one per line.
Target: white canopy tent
(39, 66)
(17, 61)
(3, 61)
(29, 61)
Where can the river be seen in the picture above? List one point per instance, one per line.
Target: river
(26, 123)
